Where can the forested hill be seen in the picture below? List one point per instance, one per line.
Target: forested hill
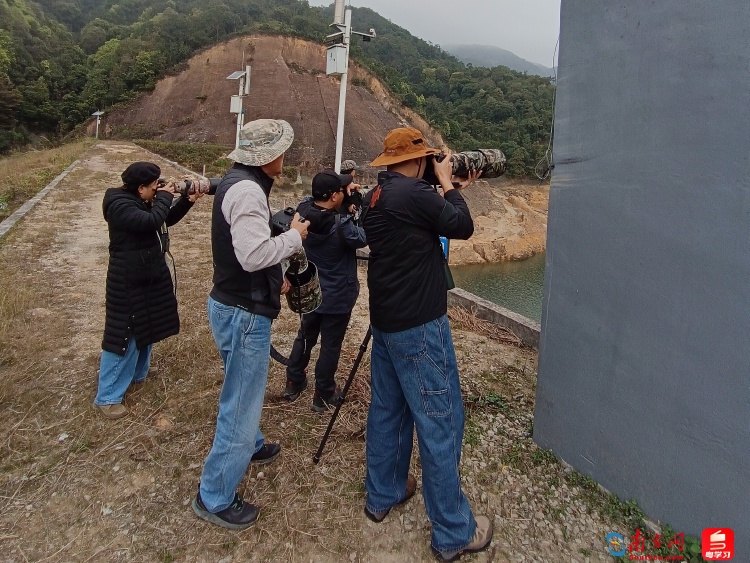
(62, 59)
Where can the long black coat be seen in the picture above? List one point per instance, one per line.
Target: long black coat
(140, 298)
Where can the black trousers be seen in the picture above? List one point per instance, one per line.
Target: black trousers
(331, 329)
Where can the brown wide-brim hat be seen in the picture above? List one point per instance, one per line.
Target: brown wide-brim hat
(404, 143)
(262, 141)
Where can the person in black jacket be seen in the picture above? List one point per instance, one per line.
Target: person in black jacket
(414, 375)
(141, 307)
(331, 244)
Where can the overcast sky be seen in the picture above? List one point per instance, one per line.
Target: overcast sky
(528, 28)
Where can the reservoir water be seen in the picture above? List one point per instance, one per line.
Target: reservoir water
(513, 284)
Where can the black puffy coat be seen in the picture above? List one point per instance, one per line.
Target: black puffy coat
(140, 298)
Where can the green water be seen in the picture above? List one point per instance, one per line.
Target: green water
(515, 285)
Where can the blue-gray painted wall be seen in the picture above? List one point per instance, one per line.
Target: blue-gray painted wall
(644, 375)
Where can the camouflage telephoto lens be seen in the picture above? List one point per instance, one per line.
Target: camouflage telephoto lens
(490, 162)
(187, 187)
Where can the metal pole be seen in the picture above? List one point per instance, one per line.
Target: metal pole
(342, 91)
(239, 116)
(97, 126)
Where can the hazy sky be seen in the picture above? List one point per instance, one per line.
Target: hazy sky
(528, 28)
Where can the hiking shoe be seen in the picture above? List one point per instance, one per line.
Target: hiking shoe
(480, 541)
(411, 487)
(266, 454)
(113, 411)
(293, 390)
(237, 516)
(319, 404)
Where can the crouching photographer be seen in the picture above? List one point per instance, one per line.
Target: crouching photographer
(331, 244)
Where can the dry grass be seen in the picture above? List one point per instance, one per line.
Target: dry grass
(463, 318)
(22, 175)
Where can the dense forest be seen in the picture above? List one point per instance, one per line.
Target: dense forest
(62, 59)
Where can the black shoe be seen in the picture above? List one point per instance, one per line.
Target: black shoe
(266, 454)
(293, 390)
(319, 404)
(237, 516)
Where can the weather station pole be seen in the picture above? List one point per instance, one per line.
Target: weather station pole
(337, 63)
(235, 104)
(98, 114)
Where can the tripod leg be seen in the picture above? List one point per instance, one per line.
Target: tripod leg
(357, 361)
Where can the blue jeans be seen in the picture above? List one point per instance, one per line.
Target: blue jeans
(244, 342)
(414, 382)
(116, 372)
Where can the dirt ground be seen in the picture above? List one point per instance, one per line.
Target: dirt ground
(77, 487)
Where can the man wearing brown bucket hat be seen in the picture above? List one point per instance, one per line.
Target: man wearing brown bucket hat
(414, 376)
(245, 298)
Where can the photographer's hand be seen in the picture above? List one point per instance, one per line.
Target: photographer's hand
(168, 187)
(198, 190)
(285, 286)
(444, 171)
(300, 225)
(466, 182)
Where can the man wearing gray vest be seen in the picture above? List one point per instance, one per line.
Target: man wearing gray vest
(245, 298)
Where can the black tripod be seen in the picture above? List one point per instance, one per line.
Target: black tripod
(362, 349)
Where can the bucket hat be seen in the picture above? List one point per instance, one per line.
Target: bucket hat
(348, 165)
(262, 141)
(404, 143)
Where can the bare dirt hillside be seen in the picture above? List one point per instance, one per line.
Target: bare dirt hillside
(288, 82)
(76, 487)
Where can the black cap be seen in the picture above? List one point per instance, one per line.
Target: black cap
(328, 182)
(140, 174)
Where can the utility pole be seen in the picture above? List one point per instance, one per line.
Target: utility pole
(337, 63)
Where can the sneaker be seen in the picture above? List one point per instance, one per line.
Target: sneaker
(293, 390)
(319, 404)
(266, 454)
(237, 516)
(411, 487)
(480, 541)
(113, 411)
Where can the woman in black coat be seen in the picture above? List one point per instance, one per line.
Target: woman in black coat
(141, 307)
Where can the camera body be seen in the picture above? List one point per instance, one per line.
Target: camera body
(281, 221)
(355, 198)
(490, 162)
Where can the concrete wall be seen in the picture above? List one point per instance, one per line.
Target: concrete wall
(522, 327)
(644, 376)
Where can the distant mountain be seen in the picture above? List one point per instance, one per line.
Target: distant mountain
(489, 56)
